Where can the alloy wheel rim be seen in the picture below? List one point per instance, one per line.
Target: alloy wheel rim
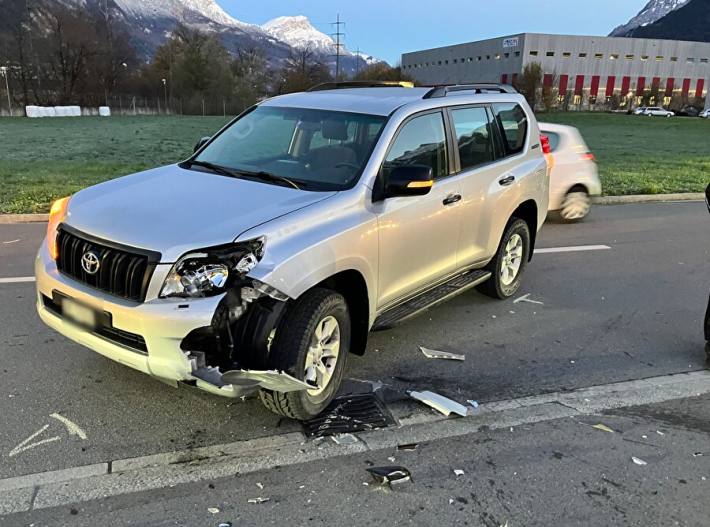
(575, 206)
(322, 356)
(512, 260)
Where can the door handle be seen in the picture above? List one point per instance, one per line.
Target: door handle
(451, 199)
(506, 181)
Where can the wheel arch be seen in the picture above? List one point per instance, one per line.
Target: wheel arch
(528, 212)
(352, 285)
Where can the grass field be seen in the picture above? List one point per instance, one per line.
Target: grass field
(43, 159)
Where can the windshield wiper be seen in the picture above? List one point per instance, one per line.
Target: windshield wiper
(218, 169)
(268, 176)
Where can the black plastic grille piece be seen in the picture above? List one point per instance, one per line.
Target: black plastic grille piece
(121, 272)
(105, 329)
(350, 413)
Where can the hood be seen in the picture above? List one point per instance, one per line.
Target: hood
(173, 210)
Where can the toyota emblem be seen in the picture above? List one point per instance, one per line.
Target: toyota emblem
(90, 262)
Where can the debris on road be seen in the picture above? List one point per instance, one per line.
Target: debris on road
(213, 510)
(350, 413)
(391, 459)
(260, 485)
(458, 472)
(391, 476)
(435, 354)
(225, 524)
(697, 454)
(408, 447)
(603, 428)
(11, 241)
(638, 461)
(474, 404)
(440, 403)
(344, 439)
(258, 500)
(660, 433)
(526, 298)
(278, 381)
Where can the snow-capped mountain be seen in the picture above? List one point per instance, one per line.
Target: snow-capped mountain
(653, 11)
(297, 31)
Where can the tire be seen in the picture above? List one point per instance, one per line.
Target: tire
(707, 353)
(315, 309)
(499, 286)
(576, 205)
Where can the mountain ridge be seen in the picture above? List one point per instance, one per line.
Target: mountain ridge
(654, 10)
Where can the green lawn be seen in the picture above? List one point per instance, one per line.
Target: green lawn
(42, 159)
(645, 155)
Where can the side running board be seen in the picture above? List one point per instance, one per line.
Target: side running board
(441, 293)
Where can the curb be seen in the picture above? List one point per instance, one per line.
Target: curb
(647, 198)
(120, 477)
(23, 218)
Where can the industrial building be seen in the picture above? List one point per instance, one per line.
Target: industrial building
(582, 71)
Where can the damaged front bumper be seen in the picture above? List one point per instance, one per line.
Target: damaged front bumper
(193, 341)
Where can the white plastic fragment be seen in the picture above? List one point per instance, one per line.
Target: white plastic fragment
(638, 461)
(271, 380)
(440, 403)
(344, 439)
(258, 500)
(660, 433)
(260, 485)
(435, 354)
(458, 472)
(473, 403)
(213, 510)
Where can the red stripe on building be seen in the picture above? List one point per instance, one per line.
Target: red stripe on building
(670, 86)
(610, 85)
(579, 85)
(504, 78)
(686, 87)
(515, 79)
(594, 89)
(699, 88)
(640, 86)
(547, 80)
(656, 84)
(563, 84)
(625, 85)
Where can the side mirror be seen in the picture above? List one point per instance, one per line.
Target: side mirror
(200, 143)
(409, 180)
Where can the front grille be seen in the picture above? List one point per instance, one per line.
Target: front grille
(124, 272)
(105, 329)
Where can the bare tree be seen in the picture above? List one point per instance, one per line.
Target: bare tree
(530, 82)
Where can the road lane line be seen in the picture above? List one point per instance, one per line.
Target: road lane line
(575, 248)
(17, 280)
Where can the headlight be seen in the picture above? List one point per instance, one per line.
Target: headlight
(56, 216)
(211, 271)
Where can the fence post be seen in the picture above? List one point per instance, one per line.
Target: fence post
(203, 106)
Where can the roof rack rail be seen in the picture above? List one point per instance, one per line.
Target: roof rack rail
(443, 91)
(341, 85)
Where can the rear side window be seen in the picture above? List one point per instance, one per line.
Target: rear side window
(473, 136)
(421, 141)
(554, 140)
(513, 124)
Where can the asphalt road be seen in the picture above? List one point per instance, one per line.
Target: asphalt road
(632, 311)
(556, 473)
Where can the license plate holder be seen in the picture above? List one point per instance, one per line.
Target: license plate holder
(81, 314)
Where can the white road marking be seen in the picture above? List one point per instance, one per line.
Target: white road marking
(72, 428)
(576, 248)
(17, 280)
(26, 445)
(526, 298)
(11, 241)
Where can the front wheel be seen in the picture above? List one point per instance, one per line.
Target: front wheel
(311, 344)
(509, 263)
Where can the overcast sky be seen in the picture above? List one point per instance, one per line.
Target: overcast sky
(386, 28)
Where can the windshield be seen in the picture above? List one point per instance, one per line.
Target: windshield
(315, 149)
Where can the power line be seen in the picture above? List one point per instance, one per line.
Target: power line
(338, 45)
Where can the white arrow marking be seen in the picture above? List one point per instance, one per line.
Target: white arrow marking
(26, 445)
(72, 428)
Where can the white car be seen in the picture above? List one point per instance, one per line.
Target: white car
(705, 114)
(639, 110)
(573, 174)
(655, 111)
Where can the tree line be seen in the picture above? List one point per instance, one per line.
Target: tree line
(57, 55)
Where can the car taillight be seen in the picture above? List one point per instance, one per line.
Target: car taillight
(589, 157)
(545, 142)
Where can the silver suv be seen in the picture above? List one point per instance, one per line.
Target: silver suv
(262, 261)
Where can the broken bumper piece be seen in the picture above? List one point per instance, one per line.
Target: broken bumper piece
(276, 381)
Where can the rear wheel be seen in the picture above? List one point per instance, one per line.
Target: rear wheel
(311, 344)
(575, 205)
(509, 263)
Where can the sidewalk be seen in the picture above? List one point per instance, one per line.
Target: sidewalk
(559, 472)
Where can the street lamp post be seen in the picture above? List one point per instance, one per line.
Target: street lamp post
(3, 72)
(165, 90)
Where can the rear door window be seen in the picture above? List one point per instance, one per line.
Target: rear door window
(473, 136)
(513, 125)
